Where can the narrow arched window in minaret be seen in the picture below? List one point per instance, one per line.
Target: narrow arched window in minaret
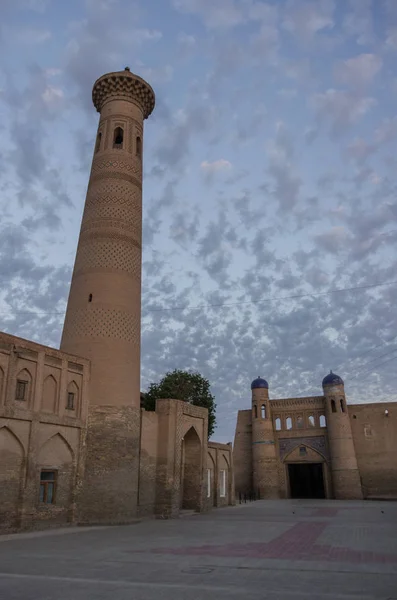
(118, 138)
(98, 142)
(138, 147)
(255, 412)
(263, 411)
(342, 406)
(333, 406)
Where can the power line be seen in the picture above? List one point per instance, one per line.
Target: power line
(228, 304)
(314, 382)
(364, 353)
(307, 295)
(374, 369)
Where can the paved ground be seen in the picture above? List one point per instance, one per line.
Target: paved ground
(303, 550)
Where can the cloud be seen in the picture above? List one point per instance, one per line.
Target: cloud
(332, 241)
(358, 21)
(36, 5)
(360, 150)
(358, 72)
(216, 14)
(284, 179)
(340, 109)
(52, 95)
(305, 18)
(287, 218)
(210, 168)
(30, 35)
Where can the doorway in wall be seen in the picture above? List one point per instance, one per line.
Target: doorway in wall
(306, 480)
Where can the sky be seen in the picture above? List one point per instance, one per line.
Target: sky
(270, 211)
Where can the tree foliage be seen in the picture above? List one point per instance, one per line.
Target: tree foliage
(183, 385)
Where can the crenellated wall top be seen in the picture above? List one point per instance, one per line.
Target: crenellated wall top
(124, 85)
(297, 403)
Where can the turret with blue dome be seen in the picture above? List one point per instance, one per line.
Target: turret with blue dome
(332, 379)
(259, 383)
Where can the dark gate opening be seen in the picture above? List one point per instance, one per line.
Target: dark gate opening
(306, 480)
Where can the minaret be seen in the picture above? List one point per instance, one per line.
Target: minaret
(103, 317)
(345, 473)
(264, 459)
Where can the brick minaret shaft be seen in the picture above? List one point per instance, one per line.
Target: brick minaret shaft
(345, 474)
(264, 458)
(103, 317)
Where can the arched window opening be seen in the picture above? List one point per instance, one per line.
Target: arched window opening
(323, 422)
(333, 406)
(312, 421)
(289, 423)
(255, 411)
(342, 405)
(138, 146)
(278, 424)
(263, 411)
(299, 422)
(98, 142)
(22, 390)
(90, 298)
(118, 138)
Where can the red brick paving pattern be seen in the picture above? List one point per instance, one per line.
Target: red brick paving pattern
(298, 543)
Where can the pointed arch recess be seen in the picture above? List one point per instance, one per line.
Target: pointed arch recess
(187, 430)
(285, 459)
(2, 378)
(50, 393)
(6, 432)
(50, 446)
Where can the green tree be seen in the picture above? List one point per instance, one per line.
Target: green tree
(183, 385)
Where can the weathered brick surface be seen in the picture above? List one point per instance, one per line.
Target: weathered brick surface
(109, 490)
(33, 437)
(148, 463)
(375, 442)
(242, 452)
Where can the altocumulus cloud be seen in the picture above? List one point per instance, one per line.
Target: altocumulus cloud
(269, 183)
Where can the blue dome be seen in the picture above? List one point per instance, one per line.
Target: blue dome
(259, 383)
(332, 379)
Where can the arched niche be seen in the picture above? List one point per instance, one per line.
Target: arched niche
(191, 470)
(23, 388)
(50, 393)
(56, 452)
(211, 492)
(12, 456)
(56, 462)
(72, 396)
(310, 454)
(2, 380)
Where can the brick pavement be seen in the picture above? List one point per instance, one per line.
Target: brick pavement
(267, 550)
(298, 543)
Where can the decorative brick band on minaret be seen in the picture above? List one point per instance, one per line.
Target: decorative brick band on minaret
(264, 457)
(345, 474)
(103, 317)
